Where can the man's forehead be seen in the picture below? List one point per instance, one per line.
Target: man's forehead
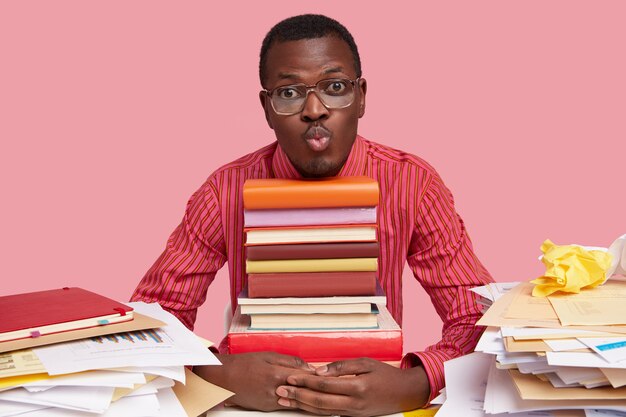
(323, 56)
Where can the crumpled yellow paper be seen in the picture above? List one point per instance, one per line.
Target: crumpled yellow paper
(570, 268)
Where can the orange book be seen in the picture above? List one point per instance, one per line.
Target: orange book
(276, 193)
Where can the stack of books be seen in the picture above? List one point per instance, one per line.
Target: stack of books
(72, 352)
(312, 258)
(561, 352)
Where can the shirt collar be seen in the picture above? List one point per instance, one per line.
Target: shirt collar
(354, 165)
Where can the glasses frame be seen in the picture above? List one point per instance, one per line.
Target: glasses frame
(311, 88)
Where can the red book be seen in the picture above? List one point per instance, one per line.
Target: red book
(384, 343)
(53, 311)
(313, 251)
(311, 284)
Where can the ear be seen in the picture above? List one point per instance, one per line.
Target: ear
(362, 91)
(266, 107)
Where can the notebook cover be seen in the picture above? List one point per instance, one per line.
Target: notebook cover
(63, 305)
(275, 193)
(313, 251)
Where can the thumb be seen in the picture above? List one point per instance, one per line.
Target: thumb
(289, 361)
(347, 367)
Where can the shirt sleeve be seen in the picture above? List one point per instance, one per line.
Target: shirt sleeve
(443, 261)
(195, 251)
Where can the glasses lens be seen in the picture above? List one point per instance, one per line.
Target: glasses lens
(334, 93)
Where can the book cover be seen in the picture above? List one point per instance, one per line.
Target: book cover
(306, 308)
(378, 298)
(311, 234)
(383, 343)
(314, 321)
(276, 193)
(313, 251)
(52, 311)
(312, 284)
(312, 265)
(309, 216)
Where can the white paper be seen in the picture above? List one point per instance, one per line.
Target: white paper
(466, 378)
(562, 345)
(170, 345)
(508, 358)
(528, 332)
(582, 359)
(177, 373)
(10, 409)
(491, 341)
(618, 253)
(576, 375)
(93, 379)
(441, 398)
(604, 413)
(93, 399)
(142, 406)
(153, 387)
(612, 349)
(170, 406)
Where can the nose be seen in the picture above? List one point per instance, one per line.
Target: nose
(313, 108)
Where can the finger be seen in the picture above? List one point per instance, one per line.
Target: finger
(347, 367)
(288, 361)
(315, 402)
(342, 386)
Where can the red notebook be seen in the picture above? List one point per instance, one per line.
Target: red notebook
(53, 311)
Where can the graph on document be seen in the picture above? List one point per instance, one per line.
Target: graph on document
(140, 336)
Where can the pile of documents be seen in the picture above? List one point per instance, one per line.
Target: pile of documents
(135, 368)
(562, 355)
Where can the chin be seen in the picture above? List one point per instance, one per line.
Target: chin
(319, 169)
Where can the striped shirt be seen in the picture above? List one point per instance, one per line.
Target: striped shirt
(417, 224)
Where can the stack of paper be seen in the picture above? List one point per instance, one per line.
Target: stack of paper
(564, 355)
(137, 371)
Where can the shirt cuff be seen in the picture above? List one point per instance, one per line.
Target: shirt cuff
(432, 362)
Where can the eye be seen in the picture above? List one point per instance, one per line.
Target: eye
(336, 88)
(288, 93)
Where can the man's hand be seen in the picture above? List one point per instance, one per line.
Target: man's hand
(254, 377)
(359, 387)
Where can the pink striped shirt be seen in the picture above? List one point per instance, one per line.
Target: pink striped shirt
(417, 223)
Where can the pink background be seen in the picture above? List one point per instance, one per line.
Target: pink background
(113, 113)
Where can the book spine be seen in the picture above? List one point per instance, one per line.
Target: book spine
(343, 192)
(309, 216)
(311, 284)
(322, 346)
(312, 265)
(313, 251)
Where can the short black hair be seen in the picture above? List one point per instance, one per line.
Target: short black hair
(307, 26)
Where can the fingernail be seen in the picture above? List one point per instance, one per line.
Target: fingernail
(311, 367)
(322, 370)
(284, 402)
(281, 392)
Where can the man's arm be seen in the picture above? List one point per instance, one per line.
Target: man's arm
(443, 261)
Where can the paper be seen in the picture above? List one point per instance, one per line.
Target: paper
(569, 268)
(197, 395)
(601, 306)
(532, 388)
(92, 399)
(562, 345)
(92, 378)
(604, 413)
(534, 333)
(611, 349)
(617, 377)
(585, 360)
(8, 408)
(22, 362)
(618, 253)
(170, 345)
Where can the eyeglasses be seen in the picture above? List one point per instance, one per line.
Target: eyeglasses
(334, 93)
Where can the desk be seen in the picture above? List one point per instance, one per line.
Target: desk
(237, 412)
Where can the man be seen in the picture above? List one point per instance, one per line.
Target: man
(313, 96)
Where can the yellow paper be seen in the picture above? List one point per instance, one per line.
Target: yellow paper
(570, 268)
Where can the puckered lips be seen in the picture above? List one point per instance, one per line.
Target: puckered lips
(317, 137)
